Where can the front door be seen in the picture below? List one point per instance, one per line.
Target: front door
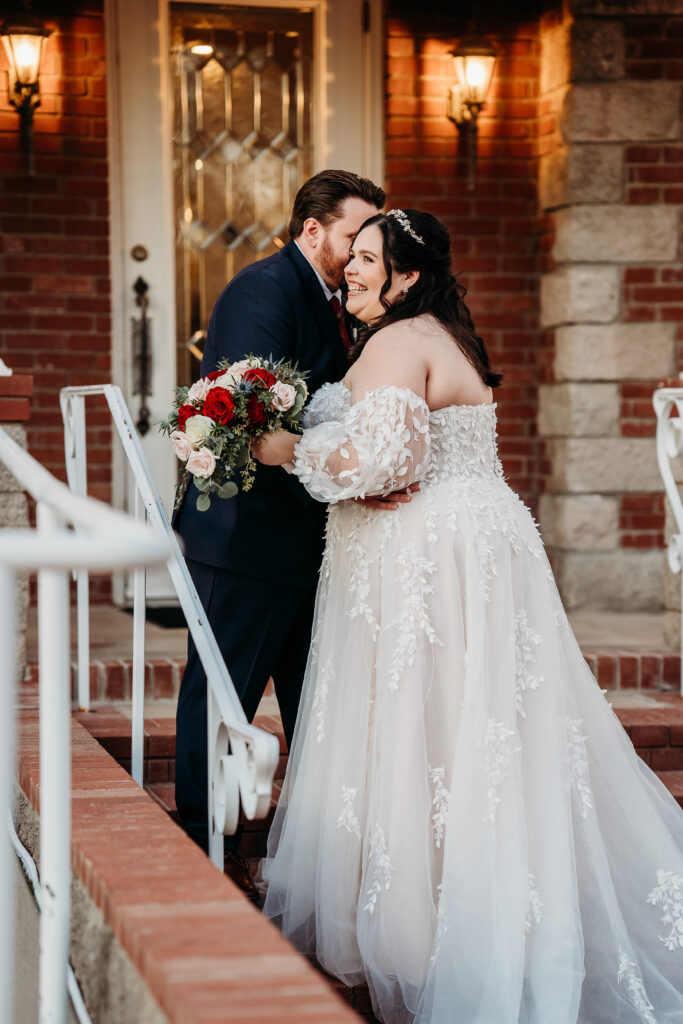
(218, 113)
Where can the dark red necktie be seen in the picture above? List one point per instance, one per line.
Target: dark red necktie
(341, 322)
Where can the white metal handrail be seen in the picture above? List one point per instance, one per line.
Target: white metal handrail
(241, 758)
(104, 539)
(669, 446)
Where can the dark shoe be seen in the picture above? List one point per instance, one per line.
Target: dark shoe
(237, 869)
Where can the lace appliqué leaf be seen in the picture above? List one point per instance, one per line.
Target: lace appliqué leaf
(360, 560)
(629, 975)
(534, 907)
(439, 803)
(412, 575)
(320, 697)
(498, 753)
(382, 868)
(526, 639)
(347, 819)
(577, 764)
(668, 894)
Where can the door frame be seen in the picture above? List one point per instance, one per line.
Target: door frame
(347, 94)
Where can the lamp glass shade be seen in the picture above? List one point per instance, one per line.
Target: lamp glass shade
(474, 72)
(25, 43)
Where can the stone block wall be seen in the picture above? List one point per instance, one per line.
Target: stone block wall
(611, 293)
(54, 241)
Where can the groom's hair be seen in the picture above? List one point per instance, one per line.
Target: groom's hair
(323, 195)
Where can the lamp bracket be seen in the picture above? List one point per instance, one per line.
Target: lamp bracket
(22, 96)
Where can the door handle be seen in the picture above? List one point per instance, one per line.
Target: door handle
(142, 354)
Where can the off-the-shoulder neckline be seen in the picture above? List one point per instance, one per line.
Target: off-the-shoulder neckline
(432, 412)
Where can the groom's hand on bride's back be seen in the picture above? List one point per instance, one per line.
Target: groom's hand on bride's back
(389, 502)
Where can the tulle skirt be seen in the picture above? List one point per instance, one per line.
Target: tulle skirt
(464, 824)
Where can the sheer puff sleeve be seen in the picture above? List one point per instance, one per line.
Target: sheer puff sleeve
(381, 445)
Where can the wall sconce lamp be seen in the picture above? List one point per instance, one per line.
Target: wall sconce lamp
(474, 60)
(24, 38)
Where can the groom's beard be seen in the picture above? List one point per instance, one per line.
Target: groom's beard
(331, 266)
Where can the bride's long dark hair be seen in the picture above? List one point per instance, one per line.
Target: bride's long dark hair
(436, 291)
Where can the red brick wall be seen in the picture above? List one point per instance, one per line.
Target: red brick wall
(654, 174)
(495, 229)
(54, 241)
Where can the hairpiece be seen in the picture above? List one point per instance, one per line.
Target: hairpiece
(403, 220)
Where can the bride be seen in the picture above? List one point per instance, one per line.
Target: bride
(464, 823)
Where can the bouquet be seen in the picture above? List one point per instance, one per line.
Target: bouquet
(214, 422)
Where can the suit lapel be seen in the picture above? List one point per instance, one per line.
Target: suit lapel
(319, 306)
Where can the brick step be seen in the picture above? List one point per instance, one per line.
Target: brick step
(674, 783)
(110, 680)
(656, 733)
(112, 730)
(634, 670)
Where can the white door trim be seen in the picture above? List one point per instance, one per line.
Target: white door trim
(347, 129)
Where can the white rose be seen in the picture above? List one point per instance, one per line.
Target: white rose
(202, 462)
(232, 376)
(198, 428)
(227, 380)
(284, 396)
(199, 390)
(182, 445)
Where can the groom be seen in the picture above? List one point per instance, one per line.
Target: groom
(254, 558)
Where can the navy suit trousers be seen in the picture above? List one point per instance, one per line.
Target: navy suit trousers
(263, 629)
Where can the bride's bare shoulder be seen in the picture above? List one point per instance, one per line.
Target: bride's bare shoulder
(404, 332)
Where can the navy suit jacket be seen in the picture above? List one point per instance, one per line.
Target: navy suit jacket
(277, 308)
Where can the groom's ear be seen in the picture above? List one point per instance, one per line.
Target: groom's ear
(312, 232)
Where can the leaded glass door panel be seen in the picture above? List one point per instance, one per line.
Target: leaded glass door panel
(242, 99)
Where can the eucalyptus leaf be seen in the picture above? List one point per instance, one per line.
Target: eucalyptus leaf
(202, 483)
(298, 404)
(228, 490)
(203, 503)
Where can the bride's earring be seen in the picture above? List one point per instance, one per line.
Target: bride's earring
(406, 288)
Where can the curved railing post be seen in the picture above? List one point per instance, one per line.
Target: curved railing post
(669, 446)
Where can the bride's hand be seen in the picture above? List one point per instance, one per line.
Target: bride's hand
(275, 449)
(389, 502)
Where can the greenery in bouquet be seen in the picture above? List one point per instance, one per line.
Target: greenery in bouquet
(215, 421)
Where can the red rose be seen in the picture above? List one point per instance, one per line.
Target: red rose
(219, 405)
(214, 374)
(184, 413)
(256, 411)
(257, 373)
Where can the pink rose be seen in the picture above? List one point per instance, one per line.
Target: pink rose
(182, 445)
(199, 390)
(202, 462)
(284, 396)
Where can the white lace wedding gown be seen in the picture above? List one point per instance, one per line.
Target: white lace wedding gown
(464, 823)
